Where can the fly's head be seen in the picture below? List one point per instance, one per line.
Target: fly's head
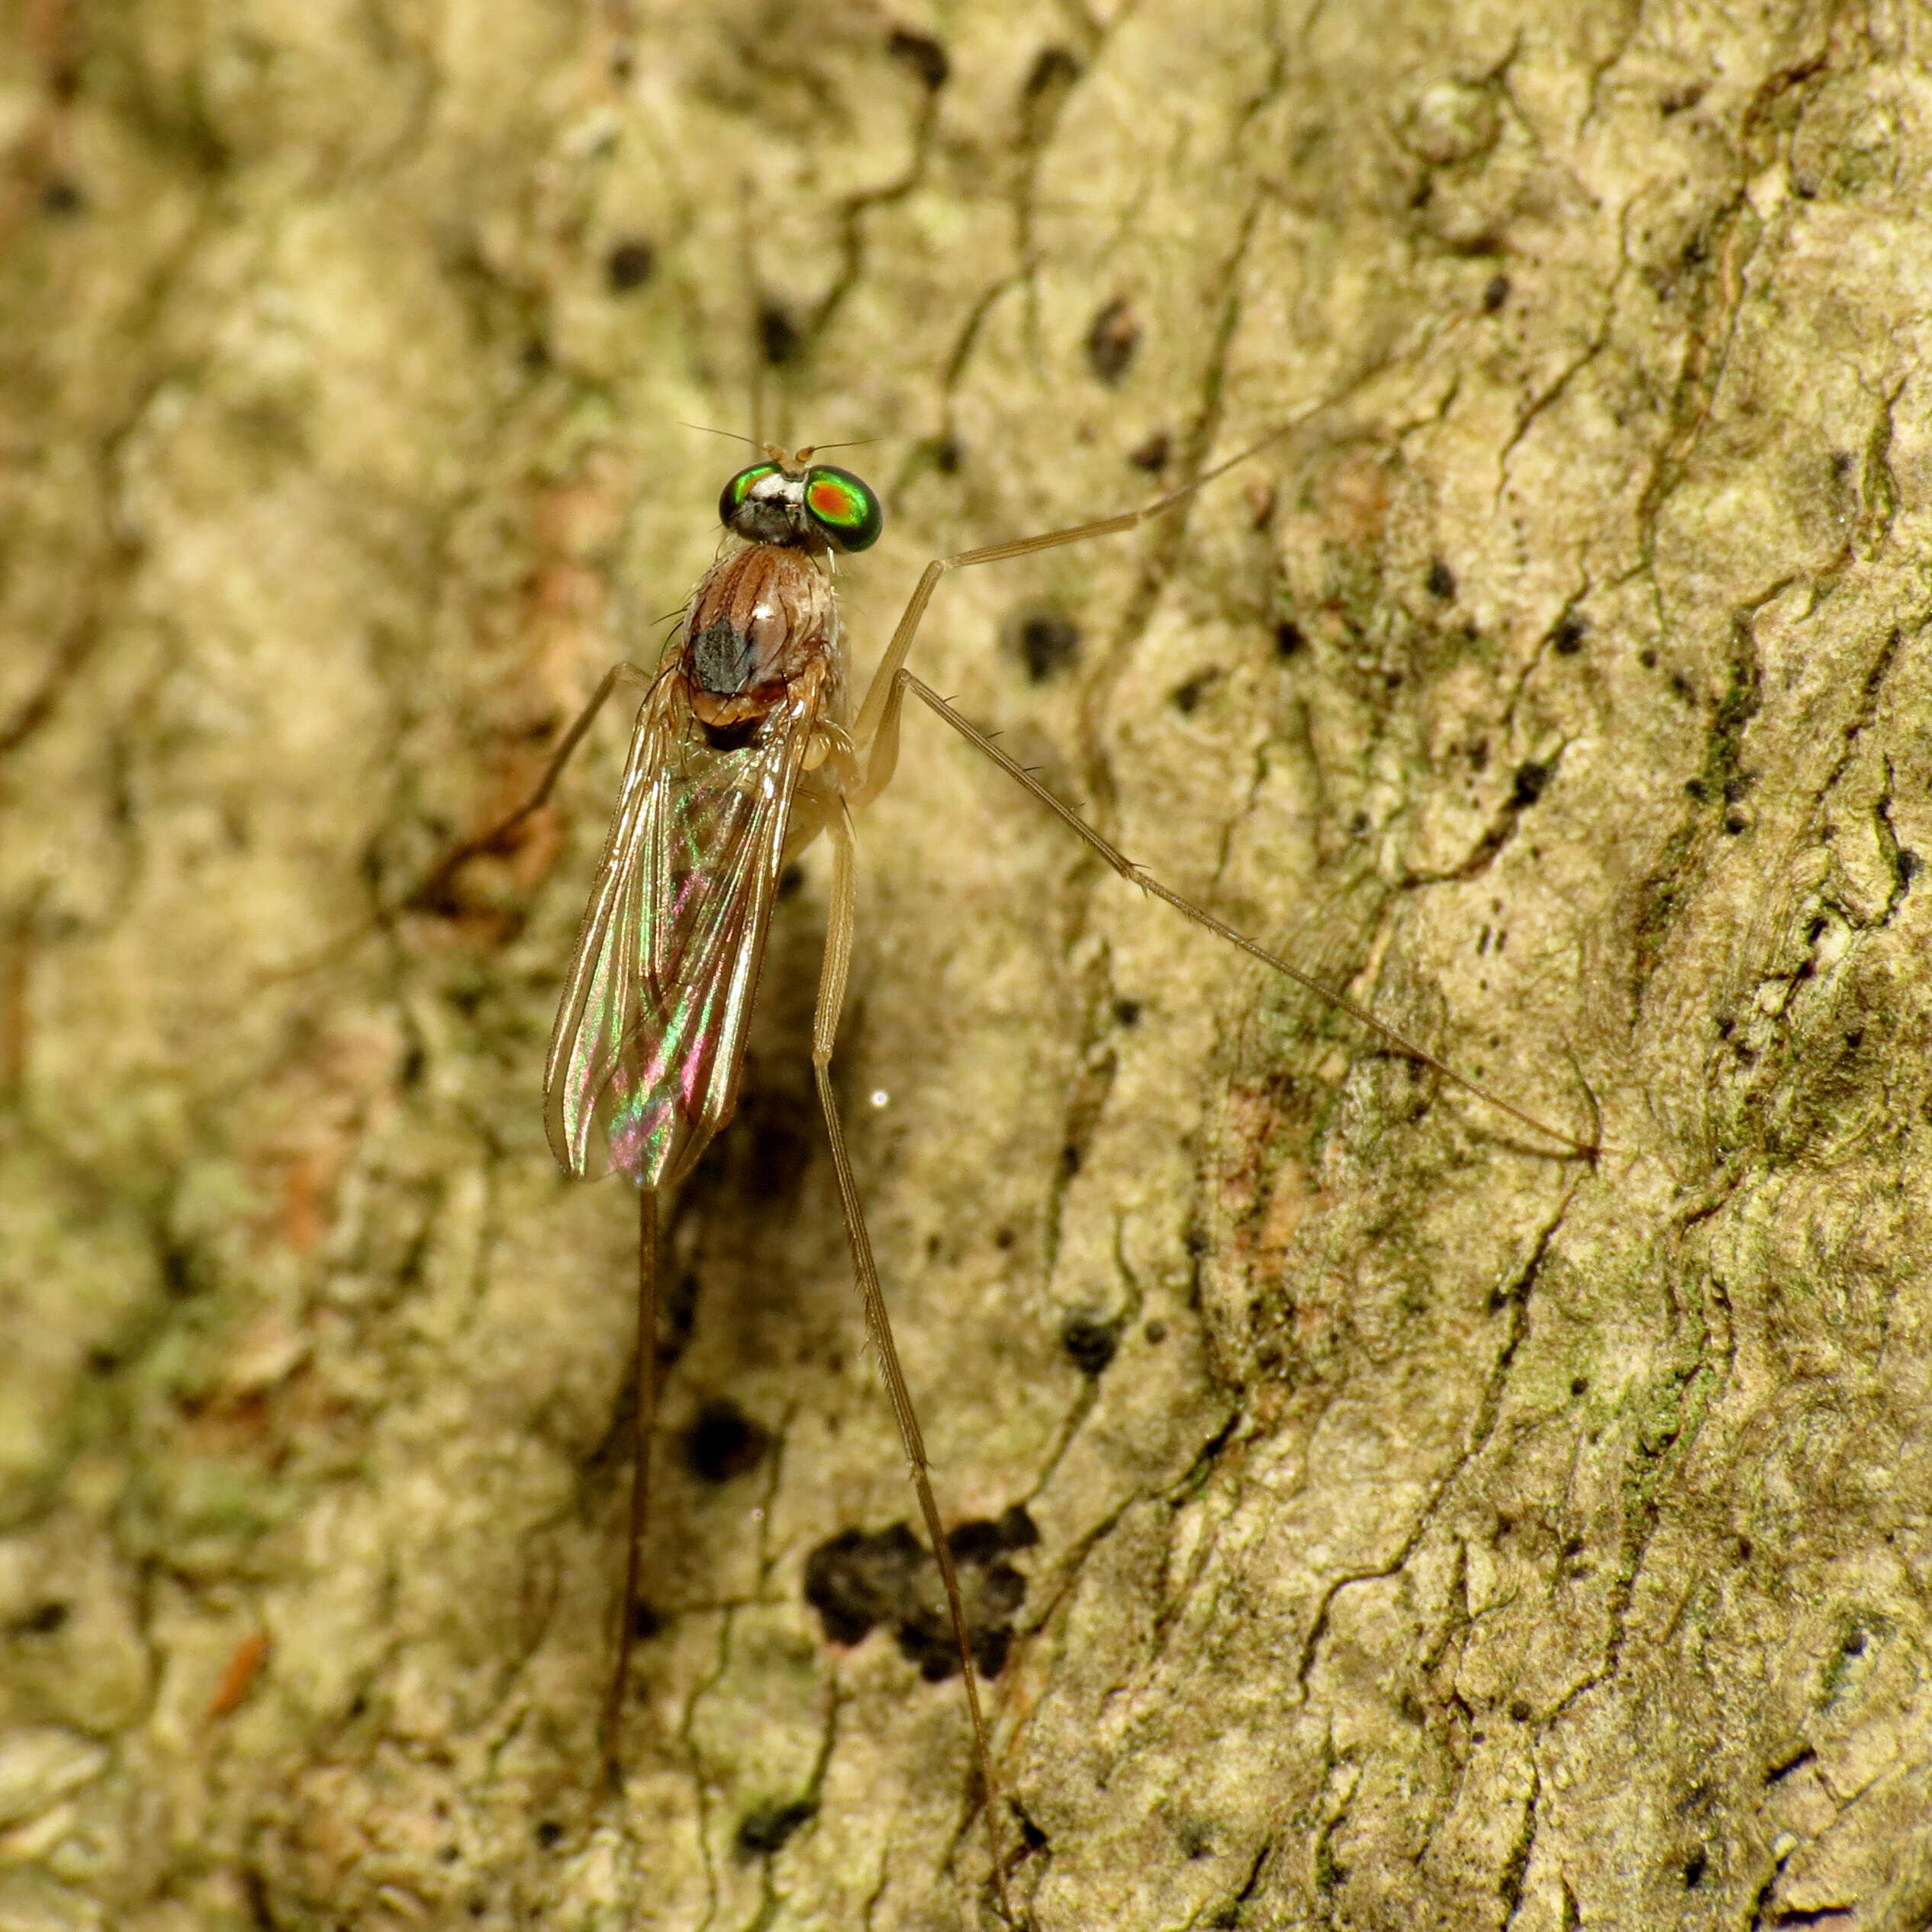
(802, 504)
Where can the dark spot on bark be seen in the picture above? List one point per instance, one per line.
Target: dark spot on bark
(1091, 1343)
(1288, 639)
(1567, 639)
(1696, 790)
(1047, 642)
(1578, 1384)
(1528, 784)
(1519, 1711)
(1053, 68)
(1495, 292)
(1070, 1160)
(645, 1621)
(1003, 1239)
(778, 336)
(1694, 1869)
(1441, 581)
(549, 1834)
(1196, 1242)
(723, 1441)
(680, 1317)
(1735, 822)
(763, 1832)
(779, 1151)
(628, 265)
(60, 199)
(924, 55)
(991, 1647)
(1152, 455)
(44, 1618)
(948, 454)
(1186, 697)
(1017, 1529)
(855, 1581)
(976, 1542)
(1156, 1330)
(1647, 659)
(1111, 340)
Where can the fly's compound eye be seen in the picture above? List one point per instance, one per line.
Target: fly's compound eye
(732, 498)
(843, 508)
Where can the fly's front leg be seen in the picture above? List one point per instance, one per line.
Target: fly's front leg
(432, 894)
(877, 732)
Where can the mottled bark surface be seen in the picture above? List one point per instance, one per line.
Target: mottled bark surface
(1432, 1530)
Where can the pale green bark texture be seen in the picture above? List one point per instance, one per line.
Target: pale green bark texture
(1460, 1534)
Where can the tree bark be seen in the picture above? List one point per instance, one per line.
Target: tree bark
(1434, 1527)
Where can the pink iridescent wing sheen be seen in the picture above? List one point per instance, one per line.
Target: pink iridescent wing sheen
(645, 1056)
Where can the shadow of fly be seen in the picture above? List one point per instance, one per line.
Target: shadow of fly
(745, 750)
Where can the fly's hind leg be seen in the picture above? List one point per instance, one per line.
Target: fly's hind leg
(878, 1323)
(876, 735)
(1133, 874)
(432, 894)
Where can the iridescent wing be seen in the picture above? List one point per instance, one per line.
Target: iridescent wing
(645, 1056)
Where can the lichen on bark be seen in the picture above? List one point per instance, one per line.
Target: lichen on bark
(1432, 1528)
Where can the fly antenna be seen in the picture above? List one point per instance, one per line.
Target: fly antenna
(705, 428)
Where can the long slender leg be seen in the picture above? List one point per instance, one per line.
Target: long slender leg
(430, 893)
(825, 1028)
(877, 731)
(646, 1372)
(1134, 875)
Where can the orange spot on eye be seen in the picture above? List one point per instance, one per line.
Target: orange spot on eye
(830, 500)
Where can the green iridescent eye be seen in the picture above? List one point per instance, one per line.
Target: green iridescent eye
(843, 507)
(739, 487)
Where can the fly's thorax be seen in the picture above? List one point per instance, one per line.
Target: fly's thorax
(762, 619)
